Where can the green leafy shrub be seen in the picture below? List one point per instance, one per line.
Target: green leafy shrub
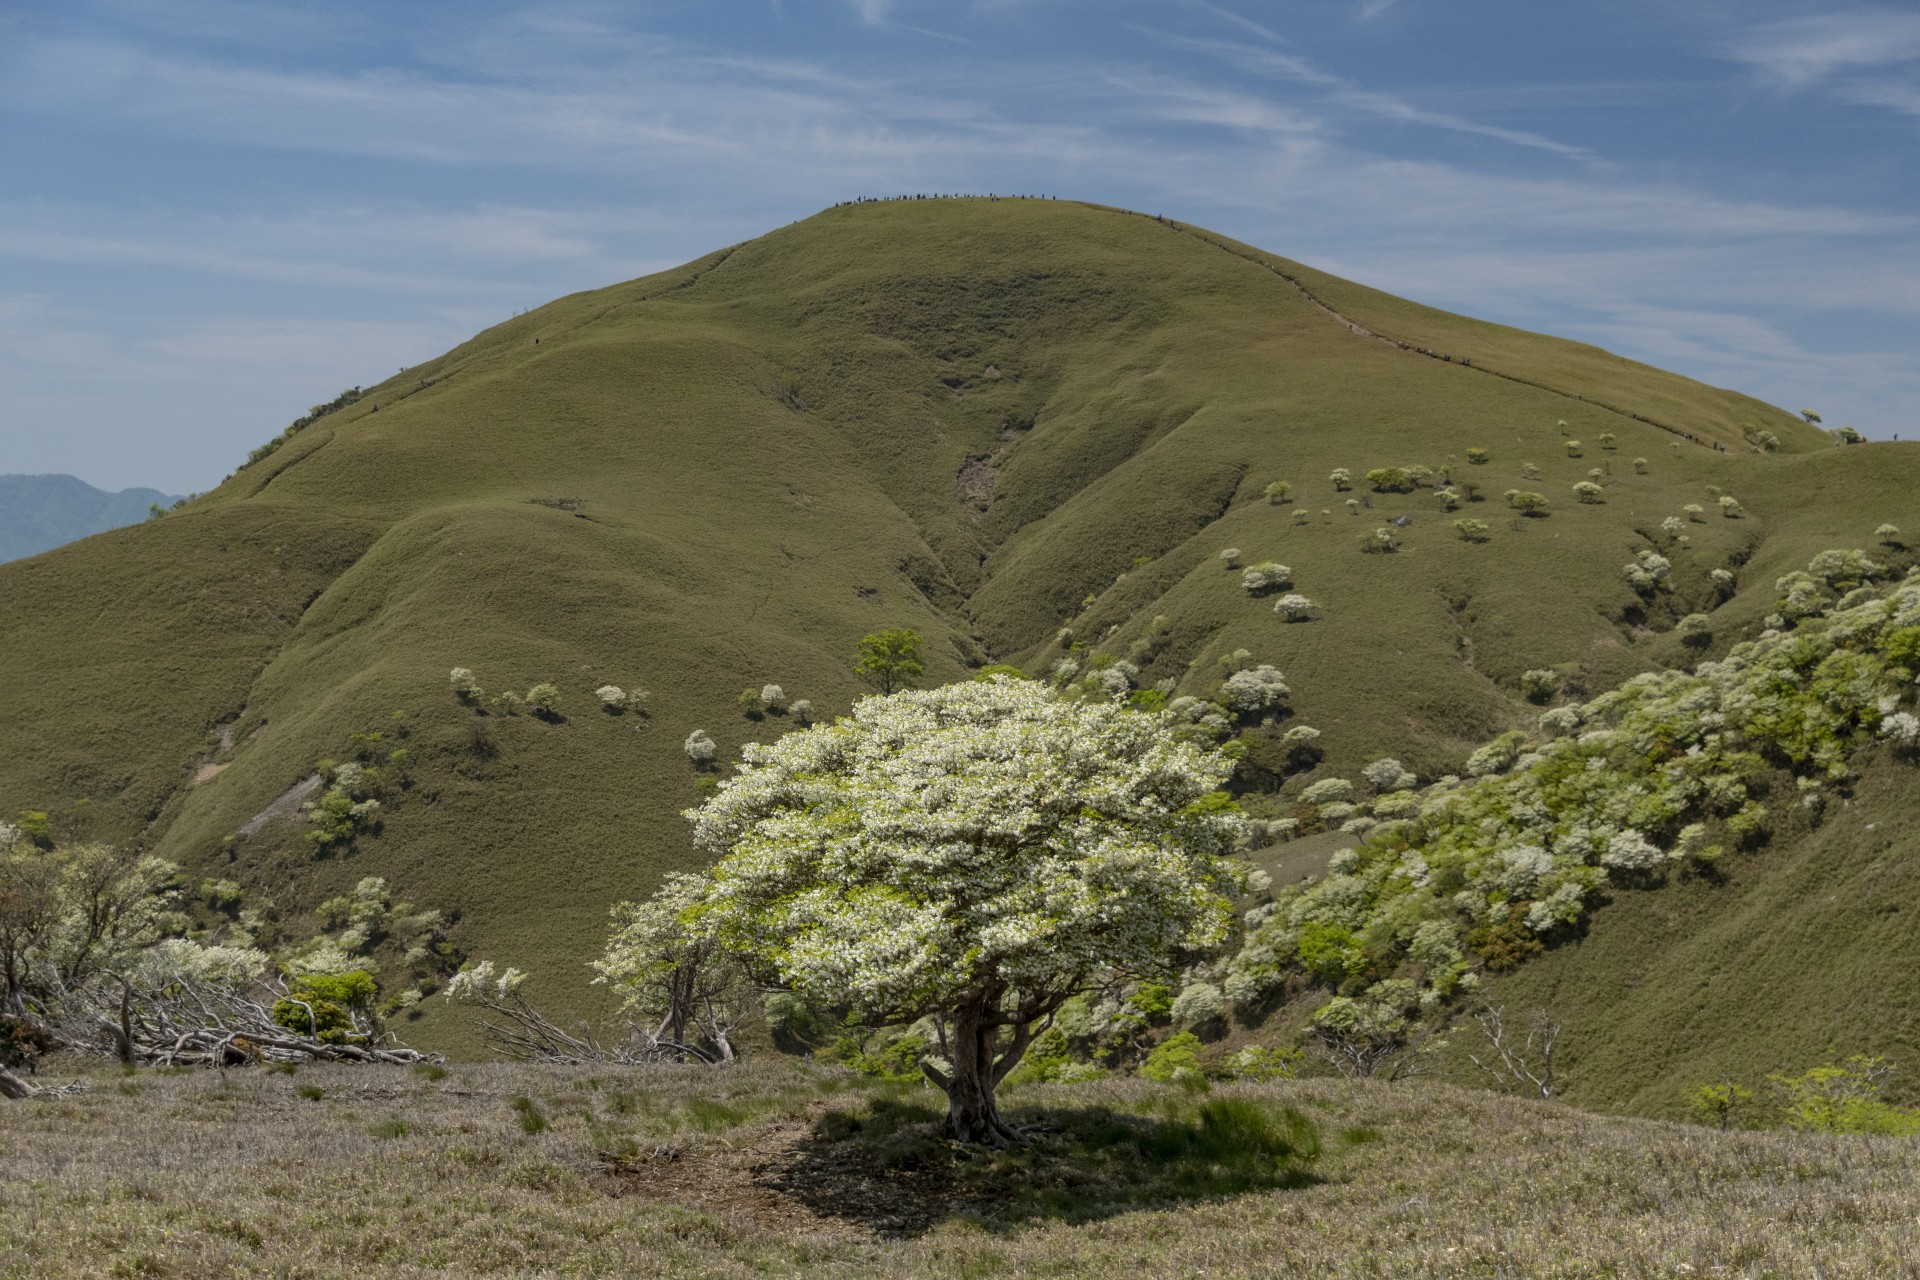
(1173, 1056)
(322, 1005)
(545, 701)
(1724, 1106)
(1843, 1099)
(1390, 480)
(1472, 530)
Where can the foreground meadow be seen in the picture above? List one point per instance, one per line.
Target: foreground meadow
(781, 1169)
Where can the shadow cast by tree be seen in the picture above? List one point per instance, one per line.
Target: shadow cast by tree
(887, 1168)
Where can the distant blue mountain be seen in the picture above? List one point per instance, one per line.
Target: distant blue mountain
(38, 513)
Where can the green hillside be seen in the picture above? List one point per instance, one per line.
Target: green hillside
(983, 419)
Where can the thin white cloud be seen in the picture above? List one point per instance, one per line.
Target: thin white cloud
(1805, 50)
(1904, 98)
(1274, 64)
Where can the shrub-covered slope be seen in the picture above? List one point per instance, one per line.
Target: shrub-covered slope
(1749, 811)
(986, 420)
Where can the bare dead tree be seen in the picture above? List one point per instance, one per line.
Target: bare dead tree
(1524, 1061)
(183, 1021)
(513, 1026)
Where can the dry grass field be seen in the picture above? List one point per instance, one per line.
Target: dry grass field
(785, 1169)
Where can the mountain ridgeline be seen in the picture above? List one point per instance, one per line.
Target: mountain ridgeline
(38, 513)
(1026, 430)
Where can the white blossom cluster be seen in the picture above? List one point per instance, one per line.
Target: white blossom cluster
(1294, 607)
(1256, 690)
(1388, 774)
(1266, 576)
(483, 983)
(992, 835)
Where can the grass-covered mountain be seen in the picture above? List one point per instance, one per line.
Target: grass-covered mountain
(985, 420)
(38, 513)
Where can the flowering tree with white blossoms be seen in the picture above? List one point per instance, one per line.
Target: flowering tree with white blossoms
(976, 855)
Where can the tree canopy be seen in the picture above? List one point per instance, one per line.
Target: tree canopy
(976, 855)
(889, 658)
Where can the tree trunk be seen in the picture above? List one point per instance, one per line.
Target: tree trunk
(973, 1116)
(12, 1086)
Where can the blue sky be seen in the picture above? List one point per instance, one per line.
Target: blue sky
(214, 213)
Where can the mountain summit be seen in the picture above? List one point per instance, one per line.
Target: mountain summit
(1015, 426)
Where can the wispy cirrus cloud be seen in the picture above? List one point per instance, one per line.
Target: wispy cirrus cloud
(1342, 92)
(1805, 50)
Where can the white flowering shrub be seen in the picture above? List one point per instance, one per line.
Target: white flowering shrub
(1631, 851)
(1327, 791)
(1888, 535)
(1294, 607)
(1730, 507)
(773, 698)
(1902, 727)
(1695, 628)
(1198, 1004)
(345, 808)
(1113, 680)
(1843, 570)
(1673, 526)
(978, 853)
(1231, 557)
(801, 711)
(465, 684)
(1254, 691)
(1388, 774)
(1801, 596)
(1723, 581)
(1341, 479)
(483, 983)
(1497, 756)
(1266, 576)
(1560, 720)
(612, 697)
(1587, 491)
(1300, 735)
(700, 748)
